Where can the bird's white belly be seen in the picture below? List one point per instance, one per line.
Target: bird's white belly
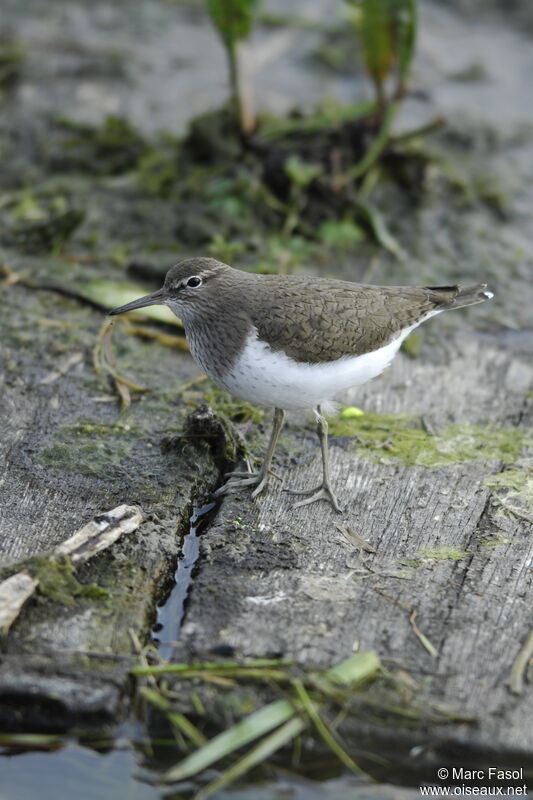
(270, 378)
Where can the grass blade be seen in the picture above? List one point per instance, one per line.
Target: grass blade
(256, 756)
(37, 740)
(357, 668)
(382, 235)
(377, 146)
(201, 666)
(324, 731)
(422, 638)
(273, 128)
(176, 719)
(377, 42)
(244, 732)
(406, 30)
(520, 664)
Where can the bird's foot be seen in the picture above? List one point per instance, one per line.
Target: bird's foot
(321, 492)
(239, 480)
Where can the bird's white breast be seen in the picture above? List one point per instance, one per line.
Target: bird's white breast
(267, 377)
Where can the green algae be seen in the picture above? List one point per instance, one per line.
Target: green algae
(37, 222)
(426, 555)
(158, 172)
(412, 346)
(89, 448)
(392, 438)
(515, 484)
(341, 235)
(57, 581)
(516, 480)
(490, 542)
(444, 553)
(107, 149)
(231, 407)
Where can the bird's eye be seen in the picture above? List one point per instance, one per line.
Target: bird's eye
(194, 282)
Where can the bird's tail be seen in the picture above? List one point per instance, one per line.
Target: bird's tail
(459, 296)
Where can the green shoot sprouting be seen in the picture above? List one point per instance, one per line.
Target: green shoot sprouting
(233, 20)
(387, 34)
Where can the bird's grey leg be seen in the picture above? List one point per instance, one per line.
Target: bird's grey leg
(324, 490)
(259, 479)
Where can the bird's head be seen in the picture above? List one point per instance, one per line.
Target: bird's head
(190, 286)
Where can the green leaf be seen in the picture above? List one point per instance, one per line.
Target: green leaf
(377, 39)
(381, 233)
(406, 29)
(340, 234)
(377, 146)
(232, 18)
(351, 412)
(301, 173)
(387, 33)
(357, 668)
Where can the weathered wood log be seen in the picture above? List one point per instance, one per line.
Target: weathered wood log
(441, 497)
(99, 534)
(69, 455)
(445, 591)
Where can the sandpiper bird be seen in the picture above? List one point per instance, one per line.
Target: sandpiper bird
(293, 342)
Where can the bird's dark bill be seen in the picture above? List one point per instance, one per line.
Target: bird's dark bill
(154, 299)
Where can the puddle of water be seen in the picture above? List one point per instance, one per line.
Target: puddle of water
(170, 613)
(77, 771)
(73, 771)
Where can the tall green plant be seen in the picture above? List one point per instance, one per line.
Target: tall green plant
(387, 34)
(233, 20)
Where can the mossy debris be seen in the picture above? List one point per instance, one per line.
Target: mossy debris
(236, 410)
(38, 221)
(513, 488)
(516, 481)
(444, 553)
(392, 438)
(88, 447)
(57, 581)
(493, 541)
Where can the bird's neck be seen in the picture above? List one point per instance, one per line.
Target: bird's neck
(217, 338)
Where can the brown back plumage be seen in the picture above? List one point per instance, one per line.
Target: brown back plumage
(315, 319)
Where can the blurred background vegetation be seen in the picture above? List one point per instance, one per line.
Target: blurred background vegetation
(338, 180)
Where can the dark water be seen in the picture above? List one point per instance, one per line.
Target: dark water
(170, 613)
(74, 771)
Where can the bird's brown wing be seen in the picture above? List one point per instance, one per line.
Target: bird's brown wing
(317, 320)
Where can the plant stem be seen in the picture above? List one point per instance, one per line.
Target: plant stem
(234, 82)
(244, 117)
